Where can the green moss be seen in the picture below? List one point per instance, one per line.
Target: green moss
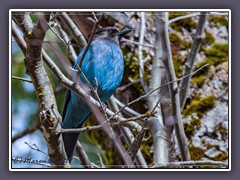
(178, 42)
(175, 14)
(195, 122)
(209, 38)
(187, 23)
(200, 106)
(196, 153)
(223, 156)
(131, 66)
(219, 19)
(199, 80)
(218, 50)
(215, 56)
(223, 131)
(188, 129)
(191, 126)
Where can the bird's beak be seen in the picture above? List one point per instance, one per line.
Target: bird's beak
(124, 32)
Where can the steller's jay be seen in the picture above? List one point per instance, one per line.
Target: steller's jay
(103, 62)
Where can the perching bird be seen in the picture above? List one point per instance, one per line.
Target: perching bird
(104, 64)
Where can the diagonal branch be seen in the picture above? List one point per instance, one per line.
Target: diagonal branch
(77, 34)
(192, 58)
(27, 131)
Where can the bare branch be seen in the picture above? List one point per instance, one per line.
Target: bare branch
(113, 122)
(152, 91)
(77, 34)
(137, 43)
(136, 144)
(127, 109)
(67, 42)
(22, 79)
(49, 115)
(183, 17)
(90, 39)
(35, 147)
(192, 58)
(101, 161)
(82, 155)
(140, 55)
(173, 87)
(161, 155)
(18, 38)
(191, 163)
(129, 137)
(27, 131)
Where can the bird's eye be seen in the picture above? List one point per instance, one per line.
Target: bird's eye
(109, 30)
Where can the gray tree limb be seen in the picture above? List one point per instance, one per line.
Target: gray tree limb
(189, 65)
(174, 95)
(49, 115)
(161, 150)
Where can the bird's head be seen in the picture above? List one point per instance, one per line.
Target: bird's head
(111, 33)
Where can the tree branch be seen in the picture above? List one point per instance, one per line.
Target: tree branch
(22, 79)
(140, 55)
(49, 115)
(174, 95)
(192, 58)
(83, 155)
(161, 150)
(152, 91)
(191, 163)
(90, 39)
(77, 34)
(27, 131)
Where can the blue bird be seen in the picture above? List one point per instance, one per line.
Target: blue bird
(103, 62)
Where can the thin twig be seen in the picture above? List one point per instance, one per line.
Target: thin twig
(113, 122)
(18, 38)
(35, 147)
(77, 34)
(129, 137)
(183, 17)
(82, 155)
(27, 131)
(22, 79)
(127, 109)
(150, 92)
(78, 65)
(101, 161)
(121, 88)
(90, 39)
(137, 43)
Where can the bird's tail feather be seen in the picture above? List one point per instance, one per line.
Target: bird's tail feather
(70, 141)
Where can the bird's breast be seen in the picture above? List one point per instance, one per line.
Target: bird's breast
(104, 63)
